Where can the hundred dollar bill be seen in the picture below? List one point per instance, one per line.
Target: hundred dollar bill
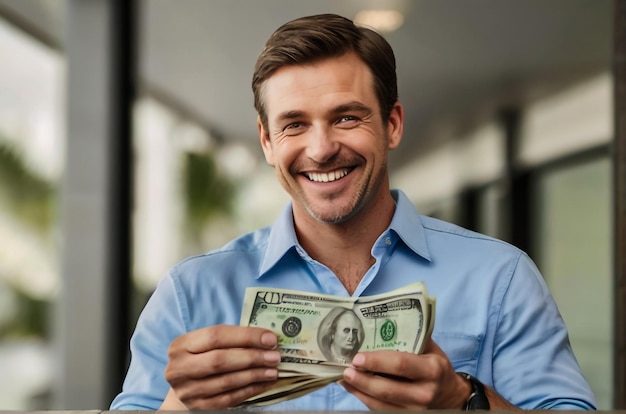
(318, 335)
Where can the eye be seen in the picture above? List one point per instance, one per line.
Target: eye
(347, 118)
(294, 125)
(347, 121)
(293, 128)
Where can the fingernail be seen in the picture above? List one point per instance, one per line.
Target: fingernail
(358, 360)
(269, 340)
(272, 356)
(271, 373)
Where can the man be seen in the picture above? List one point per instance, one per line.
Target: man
(343, 337)
(328, 113)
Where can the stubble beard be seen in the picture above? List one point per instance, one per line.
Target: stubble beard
(364, 194)
(342, 214)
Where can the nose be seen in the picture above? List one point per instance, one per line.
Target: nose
(321, 145)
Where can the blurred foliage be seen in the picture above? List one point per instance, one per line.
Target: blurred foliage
(207, 192)
(32, 317)
(30, 198)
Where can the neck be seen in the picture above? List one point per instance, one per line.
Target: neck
(345, 248)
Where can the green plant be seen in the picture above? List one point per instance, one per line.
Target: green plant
(206, 191)
(30, 198)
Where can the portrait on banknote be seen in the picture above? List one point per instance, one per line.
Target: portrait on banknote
(340, 335)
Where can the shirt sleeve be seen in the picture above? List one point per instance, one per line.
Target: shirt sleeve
(534, 366)
(160, 322)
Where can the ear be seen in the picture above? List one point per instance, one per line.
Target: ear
(395, 125)
(266, 145)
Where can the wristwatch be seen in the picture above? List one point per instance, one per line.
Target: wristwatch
(477, 399)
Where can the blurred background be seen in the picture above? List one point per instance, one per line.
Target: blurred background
(128, 142)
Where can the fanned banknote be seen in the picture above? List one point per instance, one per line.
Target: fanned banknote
(318, 335)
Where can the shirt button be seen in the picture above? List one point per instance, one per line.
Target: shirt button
(387, 241)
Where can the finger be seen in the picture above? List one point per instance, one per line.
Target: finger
(229, 399)
(371, 402)
(238, 396)
(224, 336)
(399, 364)
(229, 383)
(393, 391)
(218, 361)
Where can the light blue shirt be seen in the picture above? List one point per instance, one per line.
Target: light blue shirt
(495, 318)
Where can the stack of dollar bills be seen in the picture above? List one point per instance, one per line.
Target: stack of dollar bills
(319, 334)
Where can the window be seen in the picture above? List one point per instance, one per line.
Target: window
(573, 242)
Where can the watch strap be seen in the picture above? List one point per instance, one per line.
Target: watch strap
(478, 398)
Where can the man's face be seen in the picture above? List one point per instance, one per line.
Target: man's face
(326, 139)
(346, 335)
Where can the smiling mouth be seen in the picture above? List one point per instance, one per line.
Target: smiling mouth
(327, 177)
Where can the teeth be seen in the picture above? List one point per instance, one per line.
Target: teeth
(327, 177)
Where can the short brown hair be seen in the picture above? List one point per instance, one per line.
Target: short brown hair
(315, 38)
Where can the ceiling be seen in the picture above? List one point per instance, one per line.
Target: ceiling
(458, 60)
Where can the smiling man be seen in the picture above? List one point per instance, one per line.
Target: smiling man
(328, 115)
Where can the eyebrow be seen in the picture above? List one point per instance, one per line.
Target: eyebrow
(341, 109)
(351, 107)
(289, 115)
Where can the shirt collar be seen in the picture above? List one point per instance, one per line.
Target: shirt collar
(282, 238)
(406, 223)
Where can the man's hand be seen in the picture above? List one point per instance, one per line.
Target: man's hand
(390, 380)
(220, 366)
